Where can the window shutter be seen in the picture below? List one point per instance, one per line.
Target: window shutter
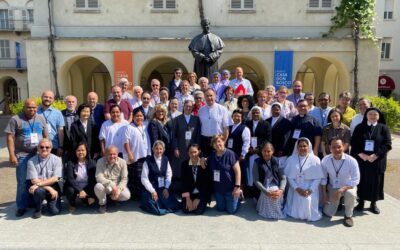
(170, 4)
(236, 4)
(158, 4)
(387, 52)
(93, 4)
(248, 4)
(80, 4)
(326, 3)
(11, 19)
(314, 4)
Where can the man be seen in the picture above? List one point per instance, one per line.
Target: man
(206, 49)
(241, 82)
(126, 107)
(24, 131)
(321, 112)
(112, 178)
(344, 176)
(44, 172)
(239, 136)
(55, 122)
(309, 97)
(137, 95)
(203, 83)
(155, 92)
(70, 116)
(297, 95)
(214, 121)
(147, 109)
(124, 84)
(305, 125)
(97, 115)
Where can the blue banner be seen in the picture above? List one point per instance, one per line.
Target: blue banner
(18, 55)
(283, 68)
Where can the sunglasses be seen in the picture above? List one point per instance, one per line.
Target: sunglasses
(43, 147)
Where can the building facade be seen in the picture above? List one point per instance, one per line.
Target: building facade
(89, 37)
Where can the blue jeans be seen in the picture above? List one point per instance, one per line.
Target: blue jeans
(40, 195)
(22, 183)
(226, 202)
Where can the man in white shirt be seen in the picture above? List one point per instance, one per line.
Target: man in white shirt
(155, 92)
(239, 80)
(344, 176)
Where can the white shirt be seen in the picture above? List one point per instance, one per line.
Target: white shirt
(135, 102)
(84, 125)
(273, 120)
(348, 175)
(113, 134)
(213, 119)
(357, 119)
(139, 142)
(246, 84)
(182, 98)
(265, 112)
(154, 100)
(245, 137)
(145, 176)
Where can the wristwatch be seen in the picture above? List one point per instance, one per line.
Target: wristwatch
(237, 186)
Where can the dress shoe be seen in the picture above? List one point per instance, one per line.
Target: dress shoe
(102, 209)
(348, 221)
(20, 212)
(72, 209)
(360, 206)
(374, 208)
(37, 214)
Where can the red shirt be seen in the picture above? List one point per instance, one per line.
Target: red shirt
(126, 107)
(196, 108)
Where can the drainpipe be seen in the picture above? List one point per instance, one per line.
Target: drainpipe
(51, 43)
(201, 9)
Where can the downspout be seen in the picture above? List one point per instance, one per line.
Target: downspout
(201, 9)
(52, 52)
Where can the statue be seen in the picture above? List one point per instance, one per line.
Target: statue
(206, 48)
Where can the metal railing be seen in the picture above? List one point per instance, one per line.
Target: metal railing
(11, 63)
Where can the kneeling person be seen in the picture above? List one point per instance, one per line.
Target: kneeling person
(44, 171)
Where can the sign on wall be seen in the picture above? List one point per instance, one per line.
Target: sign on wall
(123, 66)
(283, 68)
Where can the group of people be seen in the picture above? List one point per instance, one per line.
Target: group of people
(178, 146)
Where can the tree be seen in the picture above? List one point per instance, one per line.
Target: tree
(360, 16)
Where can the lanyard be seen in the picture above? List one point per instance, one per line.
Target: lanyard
(46, 116)
(32, 126)
(142, 133)
(302, 165)
(371, 132)
(337, 170)
(42, 167)
(322, 116)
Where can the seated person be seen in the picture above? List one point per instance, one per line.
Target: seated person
(80, 177)
(44, 171)
(156, 179)
(196, 183)
(112, 178)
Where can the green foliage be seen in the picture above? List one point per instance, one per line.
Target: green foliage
(19, 106)
(391, 110)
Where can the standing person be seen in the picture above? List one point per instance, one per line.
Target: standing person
(156, 178)
(241, 81)
(270, 89)
(136, 100)
(344, 106)
(288, 108)
(309, 97)
(44, 171)
(335, 128)
(262, 102)
(229, 101)
(245, 103)
(271, 182)
(164, 97)
(217, 86)
(55, 122)
(226, 77)
(304, 173)
(297, 94)
(198, 102)
(214, 120)
(173, 85)
(173, 111)
(24, 131)
(145, 107)
(80, 177)
(97, 114)
(192, 78)
(123, 84)
(126, 107)
(111, 177)
(343, 174)
(155, 92)
(226, 176)
(158, 128)
(321, 112)
(85, 131)
(70, 116)
(196, 183)
(239, 136)
(363, 105)
(137, 147)
(183, 95)
(370, 143)
(203, 83)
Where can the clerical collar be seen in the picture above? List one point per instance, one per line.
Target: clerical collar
(373, 124)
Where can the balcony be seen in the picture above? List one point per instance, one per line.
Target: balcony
(15, 25)
(11, 63)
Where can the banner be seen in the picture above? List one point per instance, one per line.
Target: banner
(123, 66)
(283, 69)
(18, 55)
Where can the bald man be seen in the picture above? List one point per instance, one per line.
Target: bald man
(70, 116)
(24, 131)
(97, 115)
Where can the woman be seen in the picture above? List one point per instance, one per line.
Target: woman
(85, 131)
(196, 183)
(335, 128)
(226, 75)
(157, 128)
(304, 173)
(173, 85)
(363, 104)
(370, 143)
(80, 177)
(137, 147)
(198, 102)
(245, 103)
(164, 96)
(156, 179)
(217, 86)
(226, 176)
(271, 182)
(288, 108)
(173, 108)
(262, 102)
(344, 106)
(270, 94)
(229, 101)
(192, 78)
(183, 95)
(112, 131)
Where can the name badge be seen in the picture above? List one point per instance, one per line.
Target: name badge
(34, 139)
(300, 178)
(253, 142)
(161, 182)
(188, 135)
(230, 143)
(336, 184)
(216, 176)
(296, 134)
(49, 128)
(369, 145)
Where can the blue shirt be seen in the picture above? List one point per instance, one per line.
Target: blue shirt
(224, 165)
(54, 120)
(97, 115)
(321, 115)
(295, 98)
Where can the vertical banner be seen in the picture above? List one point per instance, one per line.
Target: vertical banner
(283, 69)
(123, 67)
(18, 55)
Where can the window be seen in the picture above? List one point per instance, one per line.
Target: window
(320, 4)
(388, 13)
(242, 4)
(385, 49)
(87, 5)
(4, 49)
(6, 19)
(27, 17)
(164, 4)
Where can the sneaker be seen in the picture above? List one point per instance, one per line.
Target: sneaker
(374, 208)
(102, 209)
(348, 221)
(20, 212)
(37, 215)
(360, 206)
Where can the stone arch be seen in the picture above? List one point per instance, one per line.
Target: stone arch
(82, 74)
(9, 84)
(4, 4)
(29, 4)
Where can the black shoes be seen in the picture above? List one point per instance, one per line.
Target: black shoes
(348, 221)
(20, 212)
(102, 209)
(374, 208)
(360, 206)
(37, 214)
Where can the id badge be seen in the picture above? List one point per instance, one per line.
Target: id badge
(188, 135)
(34, 139)
(336, 183)
(300, 179)
(161, 182)
(49, 128)
(296, 133)
(230, 143)
(369, 145)
(253, 142)
(216, 176)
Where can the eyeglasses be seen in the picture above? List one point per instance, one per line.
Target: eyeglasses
(145, 98)
(43, 147)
